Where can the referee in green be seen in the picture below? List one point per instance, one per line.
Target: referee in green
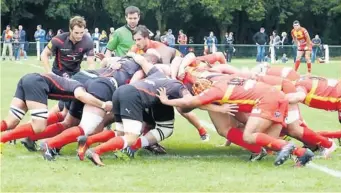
(123, 36)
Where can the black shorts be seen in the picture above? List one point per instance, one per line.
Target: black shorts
(127, 104)
(102, 88)
(32, 87)
(75, 108)
(162, 113)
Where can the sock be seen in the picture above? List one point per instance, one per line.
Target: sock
(3, 126)
(20, 131)
(267, 141)
(297, 65)
(113, 144)
(50, 131)
(339, 116)
(54, 118)
(299, 152)
(311, 138)
(68, 136)
(330, 134)
(100, 137)
(140, 142)
(309, 67)
(202, 131)
(235, 136)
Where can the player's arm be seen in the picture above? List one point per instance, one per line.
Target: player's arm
(294, 37)
(176, 62)
(307, 36)
(189, 102)
(51, 47)
(145, 65)
(188, 59)
(86, 98)
(112, 45)
(91, 58)
(105, 62)
(298, 96)
(138, 75)
(230, 109)
(224, 69)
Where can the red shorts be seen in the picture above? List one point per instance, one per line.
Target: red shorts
(302, 47)
(272, 106)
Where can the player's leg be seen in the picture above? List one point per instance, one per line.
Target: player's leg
(298, 59)
(194, 120)
(308, 60)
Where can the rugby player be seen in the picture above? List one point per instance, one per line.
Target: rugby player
(304, 45)
(267, 106)
(33, 91)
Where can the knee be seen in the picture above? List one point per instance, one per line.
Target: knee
(247, 137)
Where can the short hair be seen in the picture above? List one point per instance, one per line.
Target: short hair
(77, 21)
(296, 22)
(143, 30)
(132, 10)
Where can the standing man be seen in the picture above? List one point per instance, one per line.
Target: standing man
(39, 35)
(123, 36)
(22, 40)
(316, 46)
(182, 41)
(112, 32)
(7, 36)
(260, 38)
(304, 46)
(69, 49)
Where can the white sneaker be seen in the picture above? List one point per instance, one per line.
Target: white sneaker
(326, 152)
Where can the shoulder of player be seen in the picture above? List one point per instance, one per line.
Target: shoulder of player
(122, 29)
(60, 39)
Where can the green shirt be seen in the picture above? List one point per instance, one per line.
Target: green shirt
(122, 41)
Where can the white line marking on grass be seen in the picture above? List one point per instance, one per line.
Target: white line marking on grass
(325, 169)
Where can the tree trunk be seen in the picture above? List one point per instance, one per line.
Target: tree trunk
(161, 22)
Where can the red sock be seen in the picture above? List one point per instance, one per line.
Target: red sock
(68, 136)
(20, 131)
(299, 151)
(267, 141)
(50, 131)
(202, 131)
(100, 137)
(297, 64)
(113, 144)
(311, 138)
(330, 134)
(309, 67)
(235, 136)
(137, 144)
(3, 126)
(54, 118)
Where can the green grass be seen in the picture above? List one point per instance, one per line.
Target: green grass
(190, 166)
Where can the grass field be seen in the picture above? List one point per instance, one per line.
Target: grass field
(190, 165)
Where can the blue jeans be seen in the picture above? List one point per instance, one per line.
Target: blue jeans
(313, 54)
(260, 53)
(183, 49)
(21, 47)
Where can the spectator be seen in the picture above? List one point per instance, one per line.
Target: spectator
(191, 41)
(95, 37)
(170, 38)
(60, 31)
(205, 46)
(211, 42)
(22, 40)
(163, 38)
(316, 47)
(260, 38)
(16, 44)
(49, 35)
(39, 36)
(275, 43)
(103, 39)
(228, 44)
(86, 32)
(112, 32)
(157, 37)
(182, 41)
(284, 42)
(7, 36)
